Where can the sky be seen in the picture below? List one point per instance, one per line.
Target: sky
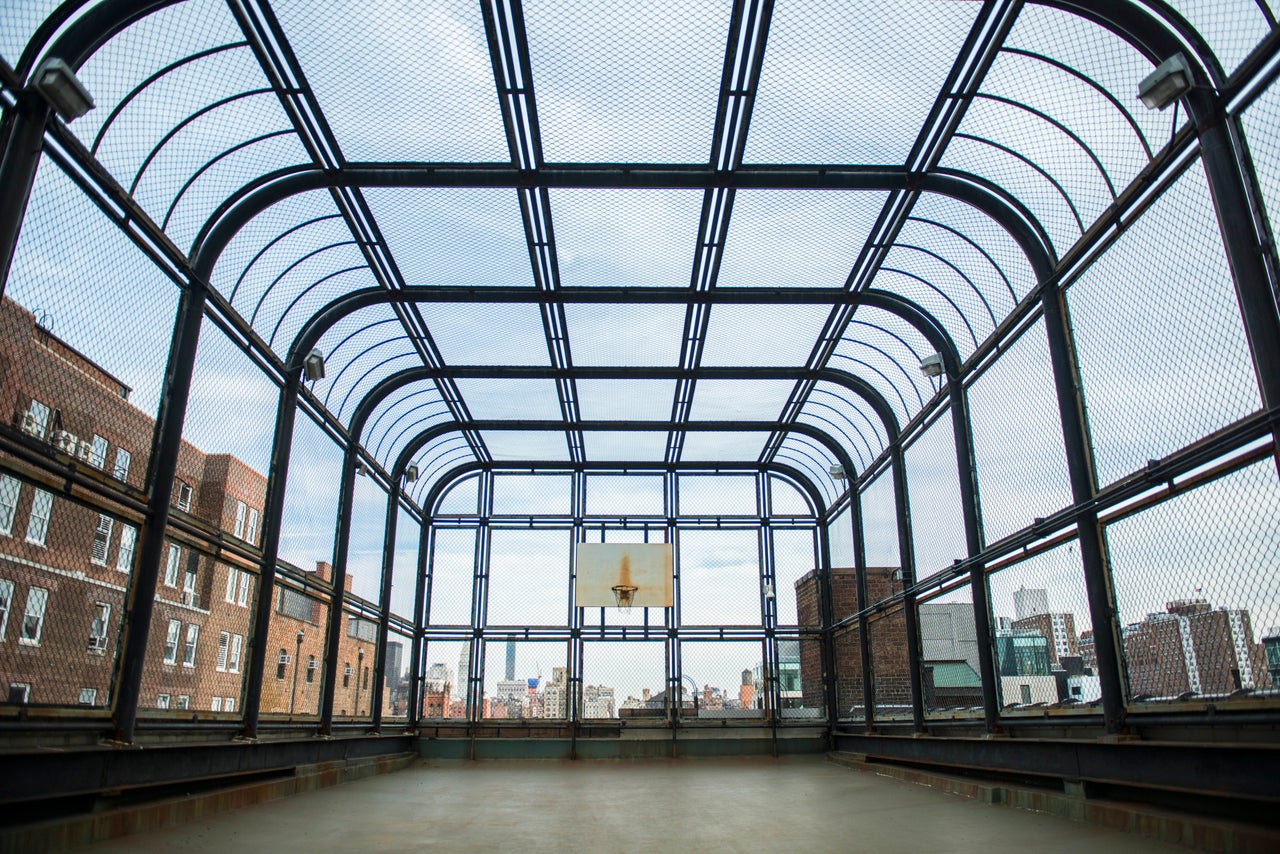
(1162, 354)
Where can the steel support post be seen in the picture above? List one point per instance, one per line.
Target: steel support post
(384, 604)
(342, 540)
(864, 641)
(826, 618)
(419, 622)
(907, 561)
(165, 446)
(18, 174)
(272, 522)
(1093, 547)
(971, 507)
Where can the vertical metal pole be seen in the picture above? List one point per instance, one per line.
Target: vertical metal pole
(864, 642)
(272, 522)
(384, 604)
(906, 558)
(419, 624)
(962, 429)
(18, 174)
(1093, 549)
(342, 540)
(826, 618)
(167, 442)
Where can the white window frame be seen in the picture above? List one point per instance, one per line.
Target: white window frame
(173, 565)
(98, 633)
(162, 701)
(242, 598)
(228, 704)
(36, 421)
(88, 696)
(189, 648)
(10, 492)
(184, 701)
(182, 495)
(251, 532)
(6, 605)
(128, 542)
(121, 469)
(38, 522)
(98, 452)
(241, 510)
(224, 646)
(102, 540)
(189, 577)
(215, 704)
(37, 603)
(237, 645)
(25, 687)
(232, 580)
(171, 639)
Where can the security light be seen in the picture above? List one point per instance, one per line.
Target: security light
(1169, 82)
(411, 474)
(58, 84)
(313, 365)
(836, 471)
(931, 365)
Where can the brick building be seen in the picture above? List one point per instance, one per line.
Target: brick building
(1194, 647)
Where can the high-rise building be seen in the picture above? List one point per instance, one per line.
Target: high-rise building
(511, 660)
(464, 673)
(1193, 647)
(1027, 602)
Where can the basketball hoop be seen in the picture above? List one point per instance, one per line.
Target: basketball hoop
(624, 593)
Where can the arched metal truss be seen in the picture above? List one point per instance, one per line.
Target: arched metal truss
(489, 309)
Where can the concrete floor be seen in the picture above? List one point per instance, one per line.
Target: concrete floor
(801, 804)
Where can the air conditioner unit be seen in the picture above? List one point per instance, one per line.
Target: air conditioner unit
(32, 425)
(284, 658)
(189, 597)
(313, 665)
(347, 671)
(98, 643)
(65, 441)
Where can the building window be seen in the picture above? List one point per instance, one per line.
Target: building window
(123, 458)
(311, 668)
(237, 643)
(6, 604)
(88, 696)
(224, 645)
(33, 619)
(38, 524)
(233, 577)
(182, 492)
(36, 421)
(245, 581)
(189, 654)
(171, 642)
(251, 532)
(241, 510)
(172, 566)
(101, 539)
(98, 627)
(128, 537)
(19, 693)
(280, 664)
(162, 701)
(98, 453)
(10, 487)
(189, 580)
(365, 681)
(1026, 694)
(229, 704)
(216, 704)
(184, 701)
(291, 603)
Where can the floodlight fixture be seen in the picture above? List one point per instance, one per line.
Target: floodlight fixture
(1169, 82)
(58, 85)
(931, 365)
(837, 471)
(411, 474)
(313, 365)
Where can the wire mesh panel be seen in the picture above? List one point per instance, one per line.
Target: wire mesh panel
(404, 567)
(719, 577)
(949, 665)
(794, 557)
(354, 691)
(880, 521)
(786, 499)
(64, 576)
(1232, 28)
(624, 495)
(1139, 306)
(368, 532)
(1196, 580)
(797, 657)
(890, 668)
(311, 497)
(1017, 438)
(446, 669)
(18, 22)
(715, 676)
(624, 680)
(526, 680)
(294, 674)
(395, 680)
(531, 495)
(840, 539)
(461, 498)
(848, 675)
(452, 576)
(716, 495)
(528, 578)
(1260, 122)
(937, 517)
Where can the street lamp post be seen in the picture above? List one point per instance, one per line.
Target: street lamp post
(297, 658)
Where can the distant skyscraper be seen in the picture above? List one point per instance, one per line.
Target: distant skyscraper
(464, 672)
(1029, 602)
(511, 660)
